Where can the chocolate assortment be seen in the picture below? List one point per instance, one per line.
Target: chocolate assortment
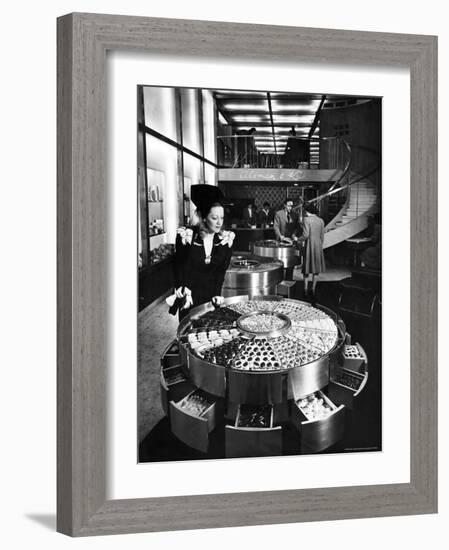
(251, 306)
(196, 403)
(348, 379)
(201, 341)
(225, 335)
(174, 378)
(225, 354)
(257, 354)
(293, 353)
(218, 318)
(322, 341)
(262, 322)
(252, 417)
(352, 352)
(314, 407)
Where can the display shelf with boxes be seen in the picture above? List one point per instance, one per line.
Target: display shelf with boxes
(155, 204)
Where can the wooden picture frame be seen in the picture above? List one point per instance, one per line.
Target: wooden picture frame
(83, 40)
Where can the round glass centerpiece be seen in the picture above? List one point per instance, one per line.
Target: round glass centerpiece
(264, 324)
(240, 261)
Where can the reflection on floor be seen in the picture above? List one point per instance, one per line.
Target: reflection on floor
(157, 329)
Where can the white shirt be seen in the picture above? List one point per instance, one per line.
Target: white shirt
(208, 243)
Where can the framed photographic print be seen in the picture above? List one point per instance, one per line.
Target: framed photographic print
(246, 274)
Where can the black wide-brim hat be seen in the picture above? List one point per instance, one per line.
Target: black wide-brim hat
(203, 197)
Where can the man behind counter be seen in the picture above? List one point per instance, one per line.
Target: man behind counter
(286, 223)
(249, 215)
(266, 215)
(285, 229)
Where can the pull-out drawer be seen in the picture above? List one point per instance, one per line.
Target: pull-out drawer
(174, 385)
(253, 433)
(193, 418)
(171, 355)
(183, 349)
(320, 422)
(306, 379)
(346, 386)
(207, 376)
(354, 357)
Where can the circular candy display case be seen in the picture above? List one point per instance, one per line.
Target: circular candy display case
(252, 275)
(254, 366)
(288, 254)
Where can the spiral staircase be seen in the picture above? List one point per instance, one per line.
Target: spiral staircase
(362, 201)
(357, 194)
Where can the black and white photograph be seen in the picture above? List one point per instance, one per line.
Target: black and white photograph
(259, 273)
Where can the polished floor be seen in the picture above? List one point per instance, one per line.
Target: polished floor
(156, 329)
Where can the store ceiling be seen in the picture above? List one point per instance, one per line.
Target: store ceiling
(273, 114)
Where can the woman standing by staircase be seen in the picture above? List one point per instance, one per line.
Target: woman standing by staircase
(313, 233)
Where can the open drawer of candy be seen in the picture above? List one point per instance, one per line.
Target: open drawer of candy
(253, 433)
(345, 386)
(193, 418)
(173, 348)
(315, 406)
(320, 422)
(355, 358)
(174, 385)
(199, 403)
(174, 375)
(254, 417)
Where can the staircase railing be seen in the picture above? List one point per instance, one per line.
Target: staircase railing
(366, 174)
(348, 162)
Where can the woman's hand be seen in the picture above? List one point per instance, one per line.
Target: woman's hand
(187, 293)
(181, 293)
(217, 301)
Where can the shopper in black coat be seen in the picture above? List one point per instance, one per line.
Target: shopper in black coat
(203, 252)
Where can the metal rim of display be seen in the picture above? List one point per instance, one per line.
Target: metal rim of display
(204, 308)
(242, 261)
(249, 274)
(289, 254)
(271, 243)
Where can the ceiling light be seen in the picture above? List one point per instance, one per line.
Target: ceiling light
(310, 106)
(250, 118)
(294, 118)
(245, 106)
